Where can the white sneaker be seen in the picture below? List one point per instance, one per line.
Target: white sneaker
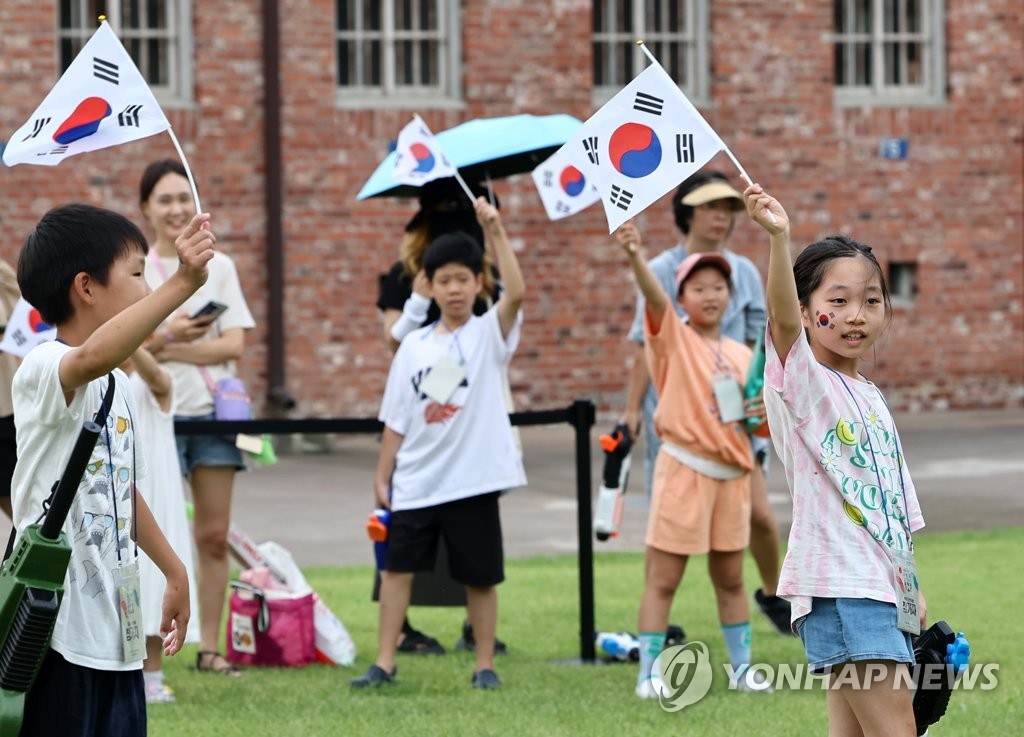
(645, 690)
(159, 693)
(752, 682)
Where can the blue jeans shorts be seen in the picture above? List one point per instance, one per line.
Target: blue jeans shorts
(840, 630)
(206, 450)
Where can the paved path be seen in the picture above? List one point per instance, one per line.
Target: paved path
(968, 468)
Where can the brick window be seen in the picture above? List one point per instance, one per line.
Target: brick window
(155, 33)
(675, 31)
(397, 51)
(889, 52)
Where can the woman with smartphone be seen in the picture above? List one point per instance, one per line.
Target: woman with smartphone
(199, 347)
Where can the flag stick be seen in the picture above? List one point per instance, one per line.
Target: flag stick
(743, 172)
(458, 177)
(188, 171)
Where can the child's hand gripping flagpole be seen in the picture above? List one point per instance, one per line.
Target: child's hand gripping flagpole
(725, 148)
(455, 169)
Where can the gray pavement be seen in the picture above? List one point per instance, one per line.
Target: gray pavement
(968, 468)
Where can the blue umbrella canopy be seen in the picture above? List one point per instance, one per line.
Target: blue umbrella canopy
(485, 147)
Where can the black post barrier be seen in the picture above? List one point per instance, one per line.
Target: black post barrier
(582, 419)
(580, 414)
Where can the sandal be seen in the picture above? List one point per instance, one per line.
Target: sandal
(414, 641)
(216, 663)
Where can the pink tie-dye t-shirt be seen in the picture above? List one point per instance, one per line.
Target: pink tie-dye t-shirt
(837, 450)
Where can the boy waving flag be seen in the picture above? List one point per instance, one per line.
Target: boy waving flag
(101, 100)
(641, 144)
(562, 187)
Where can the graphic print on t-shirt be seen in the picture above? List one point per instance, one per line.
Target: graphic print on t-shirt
(435, 412)
(850, 448)
(96, 522)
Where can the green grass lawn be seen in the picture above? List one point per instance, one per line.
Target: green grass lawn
(970, 579)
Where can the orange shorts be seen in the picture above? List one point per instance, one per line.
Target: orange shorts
(692, 514)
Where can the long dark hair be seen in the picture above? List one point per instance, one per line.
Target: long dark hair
(154, 173)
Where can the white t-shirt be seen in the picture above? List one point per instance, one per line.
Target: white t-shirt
(193, 396)
(831, 444)
(88, 629)
(462, 448)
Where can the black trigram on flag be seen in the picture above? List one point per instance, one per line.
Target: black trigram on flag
(549, 178)
(621, 198)
(60, 150)
(648, 103)
(590, 146)
(19, 337)
(37, 128)
(684, 148)
(129, 117)
(562, 208)
(105, 70)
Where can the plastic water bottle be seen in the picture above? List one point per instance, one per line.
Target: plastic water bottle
(377, 530)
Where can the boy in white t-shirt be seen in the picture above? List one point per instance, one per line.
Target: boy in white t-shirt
(82, 268)
(444, 411)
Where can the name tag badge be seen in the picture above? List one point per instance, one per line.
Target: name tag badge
(905, 577)
(442, 381)
(729, 397)
(129, 608)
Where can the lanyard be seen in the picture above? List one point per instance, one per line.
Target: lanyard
(133, 532)
(716, 351)
(455, 338)
(874, 460)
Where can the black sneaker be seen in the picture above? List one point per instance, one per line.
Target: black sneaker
(375, 676)
(487, 679)
(466, 641)
(674, 635)
(777, 610)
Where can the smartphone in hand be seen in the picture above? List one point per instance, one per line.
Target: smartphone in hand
(211, 309)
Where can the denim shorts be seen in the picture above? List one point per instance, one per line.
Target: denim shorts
(839, 630)
(206, 450)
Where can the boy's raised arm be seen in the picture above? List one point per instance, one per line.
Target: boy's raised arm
(513, 286)
(118, 338)
(784, 317)
(657, 301)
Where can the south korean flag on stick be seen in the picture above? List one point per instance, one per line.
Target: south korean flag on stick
(101, 100)
(418, 157)
(563, 188)
(642, 143)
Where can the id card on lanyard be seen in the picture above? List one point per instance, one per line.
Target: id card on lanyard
(904, 572)
(129, 608)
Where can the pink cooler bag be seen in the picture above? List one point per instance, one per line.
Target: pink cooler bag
(269, 627)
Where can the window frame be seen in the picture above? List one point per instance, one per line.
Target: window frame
(931, 36)
(179, 90)
(390, 95)
(698, 54)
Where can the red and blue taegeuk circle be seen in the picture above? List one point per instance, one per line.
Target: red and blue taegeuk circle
(84, 121)
(35, 321)
(635, 150)
(572, 180)
(424, 158)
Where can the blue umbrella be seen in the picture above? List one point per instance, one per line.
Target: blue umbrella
(485, 148)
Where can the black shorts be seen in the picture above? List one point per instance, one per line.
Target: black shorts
(471, 529)
(69, 700)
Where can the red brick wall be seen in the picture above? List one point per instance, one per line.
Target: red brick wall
(956, 205)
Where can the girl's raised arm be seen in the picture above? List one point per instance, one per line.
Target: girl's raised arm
(784, 317)
(657, 301)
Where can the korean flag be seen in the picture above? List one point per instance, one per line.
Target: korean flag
(25, 330)
(563, 188)
(418, 157)
(100, 101)
(642, 143)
